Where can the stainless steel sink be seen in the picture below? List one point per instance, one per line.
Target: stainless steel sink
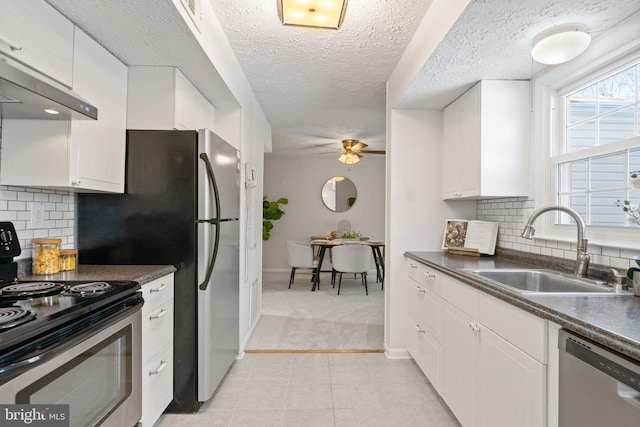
(544, 281)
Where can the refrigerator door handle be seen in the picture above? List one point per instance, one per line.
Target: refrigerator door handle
(214, 221)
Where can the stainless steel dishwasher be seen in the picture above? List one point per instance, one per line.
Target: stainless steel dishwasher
(598, 387)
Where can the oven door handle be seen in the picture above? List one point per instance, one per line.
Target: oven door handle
(72, 335)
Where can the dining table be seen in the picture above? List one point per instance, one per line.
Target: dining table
(377, 248)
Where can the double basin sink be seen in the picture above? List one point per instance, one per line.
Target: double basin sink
(542, 281)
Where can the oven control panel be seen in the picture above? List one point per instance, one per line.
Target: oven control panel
(9, 243)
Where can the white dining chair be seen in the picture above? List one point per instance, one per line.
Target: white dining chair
(351, 259)
(300, 256)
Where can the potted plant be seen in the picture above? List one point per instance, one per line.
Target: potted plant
(271, 212)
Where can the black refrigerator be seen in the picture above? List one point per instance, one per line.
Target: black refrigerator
(181, 207)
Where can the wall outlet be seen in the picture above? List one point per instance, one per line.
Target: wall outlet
(37, 215)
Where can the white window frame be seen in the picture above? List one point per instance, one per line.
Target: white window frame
(615, 50)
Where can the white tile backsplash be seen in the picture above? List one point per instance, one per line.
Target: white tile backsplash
(59, 215)
(512, 214)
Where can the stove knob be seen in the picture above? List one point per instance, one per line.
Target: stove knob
(4, 237)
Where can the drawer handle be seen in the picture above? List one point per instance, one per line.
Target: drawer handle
(430, 275)
(420, 331)
(163, 364)
(11, 45)
(159, 315)
(420, 290)
(159, 288)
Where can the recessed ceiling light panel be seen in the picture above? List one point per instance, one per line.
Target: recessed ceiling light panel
(312, 13)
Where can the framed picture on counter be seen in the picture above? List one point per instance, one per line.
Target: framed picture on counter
(455, 233)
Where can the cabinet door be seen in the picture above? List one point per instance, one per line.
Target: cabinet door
(98, 147)
(459, 339)
(510, 385)
(192, 109)
(34, 33)
(461, 150)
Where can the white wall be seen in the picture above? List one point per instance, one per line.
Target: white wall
(59, 215)
(415, 212)
(300, 179)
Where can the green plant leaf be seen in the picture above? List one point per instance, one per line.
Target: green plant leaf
(271, 212)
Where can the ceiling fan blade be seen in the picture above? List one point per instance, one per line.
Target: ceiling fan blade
(374, 152)
(359, 146)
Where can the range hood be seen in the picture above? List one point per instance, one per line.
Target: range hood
(23, 96)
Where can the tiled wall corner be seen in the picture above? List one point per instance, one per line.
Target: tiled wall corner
(59, 215)
(513, 213)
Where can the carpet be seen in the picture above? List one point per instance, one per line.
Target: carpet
(298, 319)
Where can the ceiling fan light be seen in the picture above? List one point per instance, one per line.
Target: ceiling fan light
(349, 158)
(560, 45)
(312, 13)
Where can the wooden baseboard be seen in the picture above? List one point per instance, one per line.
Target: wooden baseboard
(315, 351)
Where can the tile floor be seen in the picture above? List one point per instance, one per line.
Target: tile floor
(318, 390)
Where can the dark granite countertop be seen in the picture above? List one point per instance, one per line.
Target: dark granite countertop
(138, 273)
(613, 321)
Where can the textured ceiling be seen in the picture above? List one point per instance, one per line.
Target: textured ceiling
(320, 86)
(493, 40)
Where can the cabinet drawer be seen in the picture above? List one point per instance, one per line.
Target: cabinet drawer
(521, 329)
(157, 330)
(423, 275)
(157, 388)
(424, 349)
(413, 270)
(416, 294)
(157, 293)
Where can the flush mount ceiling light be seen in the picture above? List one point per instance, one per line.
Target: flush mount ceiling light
(312, 13)
(560, 45)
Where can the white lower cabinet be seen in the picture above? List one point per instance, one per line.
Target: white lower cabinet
(459, 364)
(488, 375)
(157, 348)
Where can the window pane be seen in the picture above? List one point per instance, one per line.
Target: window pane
(608, 171)
(605, 210)
(581, 105)
(582, 136)
(616, 126)
(617, 90)
(573, 176)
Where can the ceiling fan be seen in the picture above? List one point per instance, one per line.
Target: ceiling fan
(353, 149)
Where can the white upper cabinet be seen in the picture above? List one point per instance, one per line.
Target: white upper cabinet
(485, 142)
(77, 155)
(34, 33)
(163, 98)
(98, 147)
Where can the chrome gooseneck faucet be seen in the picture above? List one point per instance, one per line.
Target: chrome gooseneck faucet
(583, 258)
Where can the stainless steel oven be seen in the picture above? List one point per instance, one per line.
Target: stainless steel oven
(95, 369)
(72, 344)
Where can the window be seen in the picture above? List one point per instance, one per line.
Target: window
(599, 149)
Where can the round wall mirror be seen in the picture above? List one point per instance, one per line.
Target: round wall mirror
(339, 193)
